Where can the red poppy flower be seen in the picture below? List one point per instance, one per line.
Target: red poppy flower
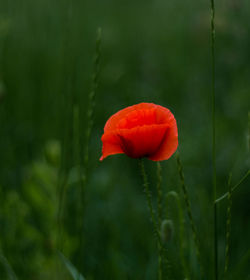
(142, 130)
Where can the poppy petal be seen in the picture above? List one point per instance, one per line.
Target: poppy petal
(110, 145)
(168, 146)
(142, 141)
(114, 120)
(141, 130)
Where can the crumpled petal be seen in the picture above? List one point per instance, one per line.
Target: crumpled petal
(110, 145)
(129, 114)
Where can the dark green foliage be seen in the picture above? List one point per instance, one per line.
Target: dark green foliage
(153, 51)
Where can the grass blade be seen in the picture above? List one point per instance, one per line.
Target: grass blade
(10, 272)
(233, 188)
(70, 267)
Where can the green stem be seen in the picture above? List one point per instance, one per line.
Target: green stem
(91, 97)
(159, 211)
(229, 208)
(215, 244)
(181, 231)
(152, 214)
(234, 187)
(189, 212)
(159, 192)
(90, 112)
(213, 141)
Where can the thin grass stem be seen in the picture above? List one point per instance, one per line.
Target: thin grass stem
(91, 99)
(153, 217)
(90, 110)
(215, 244)
(213, 141)
(234, 187)
(175, 195)
(228, 226)
(88, 131)
(189, 212)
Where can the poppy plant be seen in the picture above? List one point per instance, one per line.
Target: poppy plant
(142, 130)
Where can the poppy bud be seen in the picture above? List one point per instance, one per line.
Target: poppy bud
(167, 230)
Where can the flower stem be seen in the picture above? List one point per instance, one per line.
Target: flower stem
(159, 192)
(153, 217)
(159, 211)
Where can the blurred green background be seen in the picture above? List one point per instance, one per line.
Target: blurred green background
(151, 51)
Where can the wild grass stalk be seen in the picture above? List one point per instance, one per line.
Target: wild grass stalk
(91, 100)
(233, 188)
(90, 111)
(173, 194)
(228, 226)
(213, 141)
(189, 212)
(161, 249)
(82, 173)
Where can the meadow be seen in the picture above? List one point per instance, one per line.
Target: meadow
(66, 66)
